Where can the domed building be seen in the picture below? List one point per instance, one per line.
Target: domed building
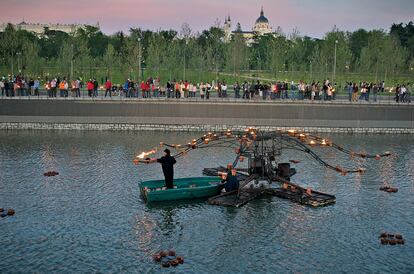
(261, 27)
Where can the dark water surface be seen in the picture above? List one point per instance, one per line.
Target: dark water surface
(91, 218)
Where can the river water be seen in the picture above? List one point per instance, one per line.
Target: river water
(91, 217)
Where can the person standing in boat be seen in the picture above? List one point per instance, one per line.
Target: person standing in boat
(167, 163)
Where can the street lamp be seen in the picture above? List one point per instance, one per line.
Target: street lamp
(334, 68)
(139, 59)
(18, 61)
(310, 63)
(185, 51)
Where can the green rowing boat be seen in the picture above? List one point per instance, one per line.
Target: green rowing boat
(184, 188)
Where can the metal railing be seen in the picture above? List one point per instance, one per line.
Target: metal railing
(382, 98)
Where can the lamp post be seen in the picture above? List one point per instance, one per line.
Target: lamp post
(139, 59)
(334, 67)
(185, 51)
(18, 61)
(71, 64)
(310, 64)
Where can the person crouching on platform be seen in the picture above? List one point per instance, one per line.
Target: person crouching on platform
(167, 163)
(230, 179)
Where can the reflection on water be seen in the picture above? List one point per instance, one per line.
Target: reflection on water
(91, 218)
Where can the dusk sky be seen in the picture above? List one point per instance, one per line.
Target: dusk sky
(311, 17)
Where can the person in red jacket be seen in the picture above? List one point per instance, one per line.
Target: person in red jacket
(90, 86)
(108, 87)
(142, 86)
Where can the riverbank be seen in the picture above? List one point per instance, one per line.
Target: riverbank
(174, 115)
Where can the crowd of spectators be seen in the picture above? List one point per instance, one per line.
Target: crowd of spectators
(248, 90)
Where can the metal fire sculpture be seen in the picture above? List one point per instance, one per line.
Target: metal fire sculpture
(261, 149)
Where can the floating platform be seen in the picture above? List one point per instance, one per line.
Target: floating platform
(315, 199)
(242, 173)
(235, 199)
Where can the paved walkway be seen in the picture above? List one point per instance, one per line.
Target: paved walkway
(382, 100)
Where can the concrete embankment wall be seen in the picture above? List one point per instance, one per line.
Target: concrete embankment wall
(191, 116)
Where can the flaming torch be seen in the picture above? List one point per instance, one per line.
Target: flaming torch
(140, 157)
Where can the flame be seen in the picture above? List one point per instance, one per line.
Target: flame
(145, 154)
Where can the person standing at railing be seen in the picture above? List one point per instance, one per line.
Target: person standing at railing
(62, 88)
(53, 87)
(169, 89)
(350, 91)
(89, 87)
(31, 86)
(245, 90)
(2, 81)
(208, 89)
(95, 88)
(355, 93)
(236, 88)
(202, 90)
(36, 86)
(190, 89)
(224, 90)
(108, 88)
(375, 91)
(182, 89)
(77, 87)
(185, 89)
(177, 87)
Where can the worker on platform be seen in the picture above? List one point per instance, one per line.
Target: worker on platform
(230, 179)
(167, 163)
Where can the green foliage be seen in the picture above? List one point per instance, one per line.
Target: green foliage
(89, 53)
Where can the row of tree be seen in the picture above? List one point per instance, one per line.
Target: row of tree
(176, 54)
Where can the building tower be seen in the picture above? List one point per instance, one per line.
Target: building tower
(227, 29)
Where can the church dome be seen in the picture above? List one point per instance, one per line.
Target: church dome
(262, 18)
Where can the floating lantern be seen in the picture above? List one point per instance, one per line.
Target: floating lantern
(180, 259)
(377, 157)
(361, 170)
(323, 143)
(312, 143)
(206, 141)
(291, 132)
(11, 212)
(157, 257)
(165, 264)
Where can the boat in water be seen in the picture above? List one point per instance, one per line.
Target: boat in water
(184, 189)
